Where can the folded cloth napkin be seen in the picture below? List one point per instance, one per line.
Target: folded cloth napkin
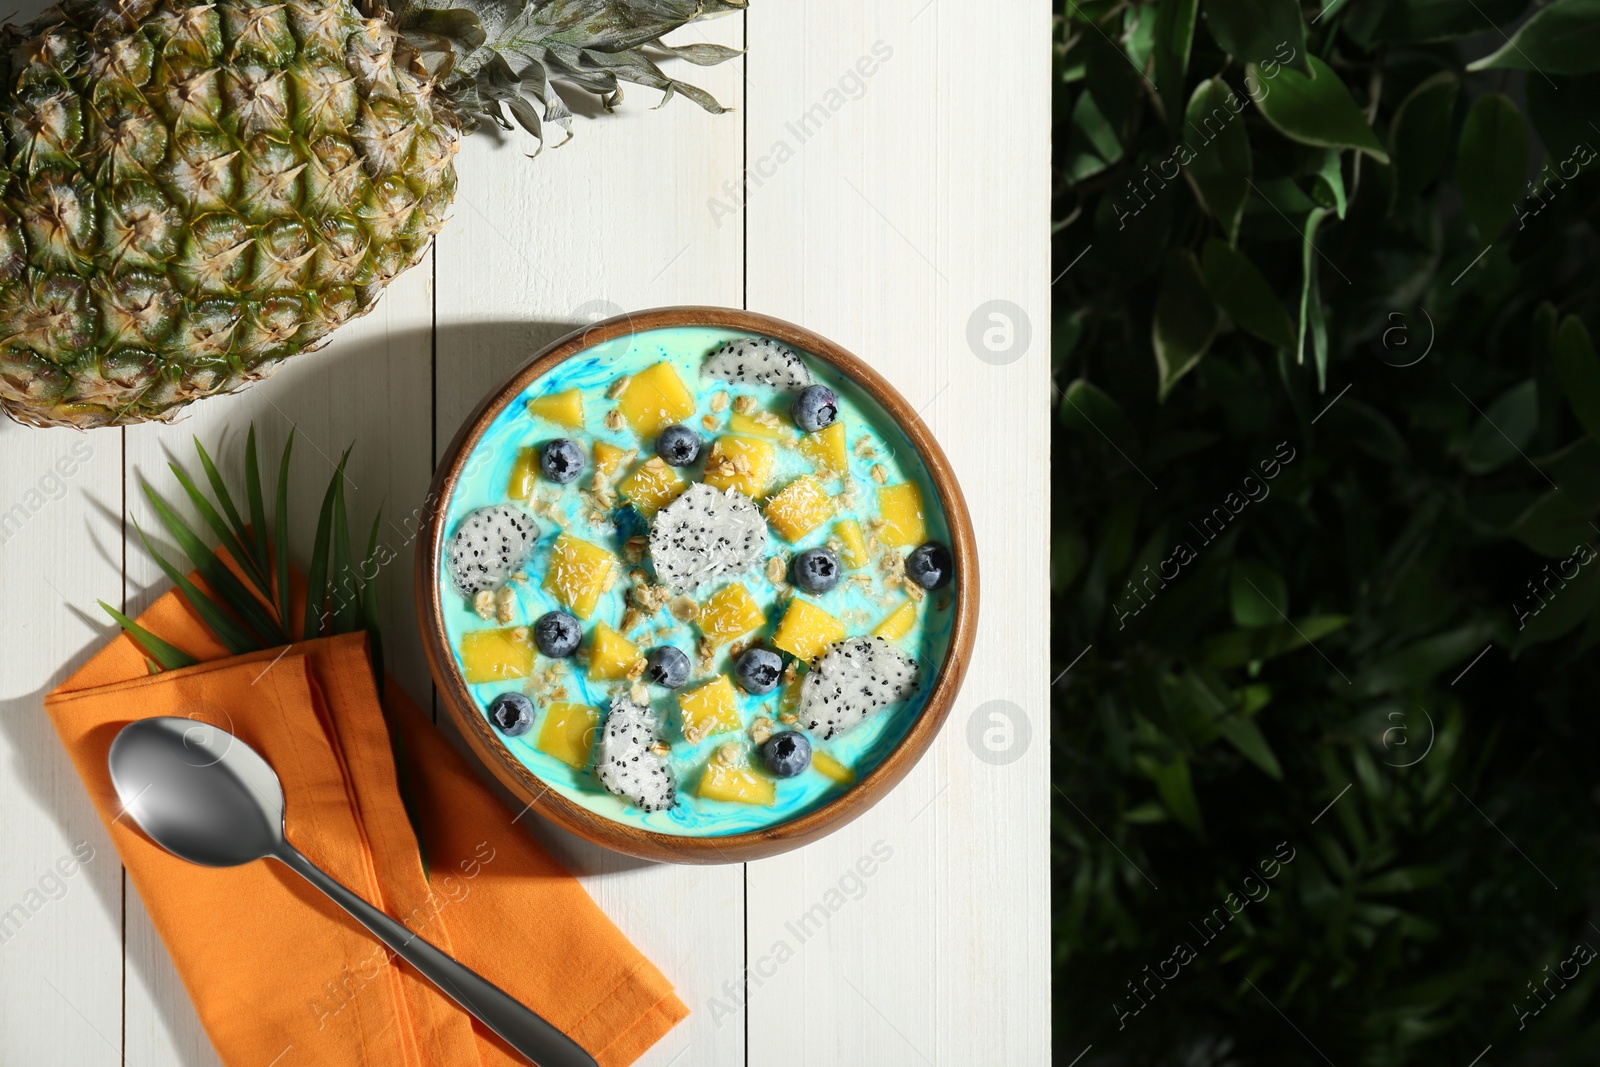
(278, 973)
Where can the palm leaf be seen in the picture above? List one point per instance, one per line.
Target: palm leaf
(234, 637)
(221, 580)
(346, 599)
(258, 510)
(317, 579)
(226, 535)
(219, 489)
(280, 534)
(168, 657)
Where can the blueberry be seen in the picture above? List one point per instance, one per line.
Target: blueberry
(815, 407)
(786, 754)
(929, 565)
(561, 460)
(512, 713)
(667, 666)
(557, 634)
(816, 570)
(678, 445)
(758, 671)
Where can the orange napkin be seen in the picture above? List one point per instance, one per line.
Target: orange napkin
(278, 973)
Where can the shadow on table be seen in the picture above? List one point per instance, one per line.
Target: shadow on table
(40, 764)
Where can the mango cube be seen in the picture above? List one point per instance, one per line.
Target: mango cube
(607, 458)
(654, 399)
(564, 408)
(568, 733)
(900, 508)
(854, 552)
(740, 785)
(826, 448)
(832, 767)
(709, 709)
(611, 656)
(897, 623)
(760, 424)
(652, 486)
(741, 463)
(801, 507)
(728, 613)
(524, 474)
(806, 630)
(578, 573)
(495, 655)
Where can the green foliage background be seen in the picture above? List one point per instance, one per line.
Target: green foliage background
(1379, 260)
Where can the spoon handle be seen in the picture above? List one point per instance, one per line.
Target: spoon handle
(521, 1028)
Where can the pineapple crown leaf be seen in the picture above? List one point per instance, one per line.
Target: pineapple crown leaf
(508, 63)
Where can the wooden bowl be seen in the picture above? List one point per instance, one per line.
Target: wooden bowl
(648, 844)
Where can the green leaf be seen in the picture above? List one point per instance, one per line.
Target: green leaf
(1491, 161)
(1557, 599)
(1174, 34)
(1092, 144)
(258, 511)
(1328, 189)
(1259, 31)
(346, 585)
(1504, 430)
(1185, 320)
(1311, 322)
(1561, 110)
(1420, 21)
(1220, 166)
(1426, 659)
(281, 534)
(1317, 109)
(317, 577)
(222, 581)
(219, 489)
(1554, 524)
(209, 516)
(1087, 408)
(1244, 735)
(169, 657)
(1238, 647)
(1560, 38)
(235, 638)
(1257, 595)
(1175, 787)
(1579, 371)
(1419, 136)
(1244, 293)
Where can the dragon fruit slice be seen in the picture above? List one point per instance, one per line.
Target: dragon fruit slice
(704, 534)
(623, 760)
(854, 678)
(489, 544)
(758, 361)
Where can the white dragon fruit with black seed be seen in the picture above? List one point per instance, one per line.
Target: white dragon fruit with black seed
(489, 544)
(705, 534)
(758, 361)
(624, 763)
(854, 678)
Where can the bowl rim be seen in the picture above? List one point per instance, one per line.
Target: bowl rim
(650, 844)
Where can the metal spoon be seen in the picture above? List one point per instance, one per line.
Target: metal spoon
(209, 798)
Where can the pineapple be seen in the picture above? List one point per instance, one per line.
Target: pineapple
(198, 191)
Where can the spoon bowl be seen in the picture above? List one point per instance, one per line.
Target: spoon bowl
(198, 791)
(209, 798)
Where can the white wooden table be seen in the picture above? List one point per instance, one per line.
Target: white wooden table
(894, 162)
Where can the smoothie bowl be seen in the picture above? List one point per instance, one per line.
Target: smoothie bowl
(697, 584)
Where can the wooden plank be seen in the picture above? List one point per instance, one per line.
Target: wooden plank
(893, 195)
(370, 388)
(614, 220)
(60, 883)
